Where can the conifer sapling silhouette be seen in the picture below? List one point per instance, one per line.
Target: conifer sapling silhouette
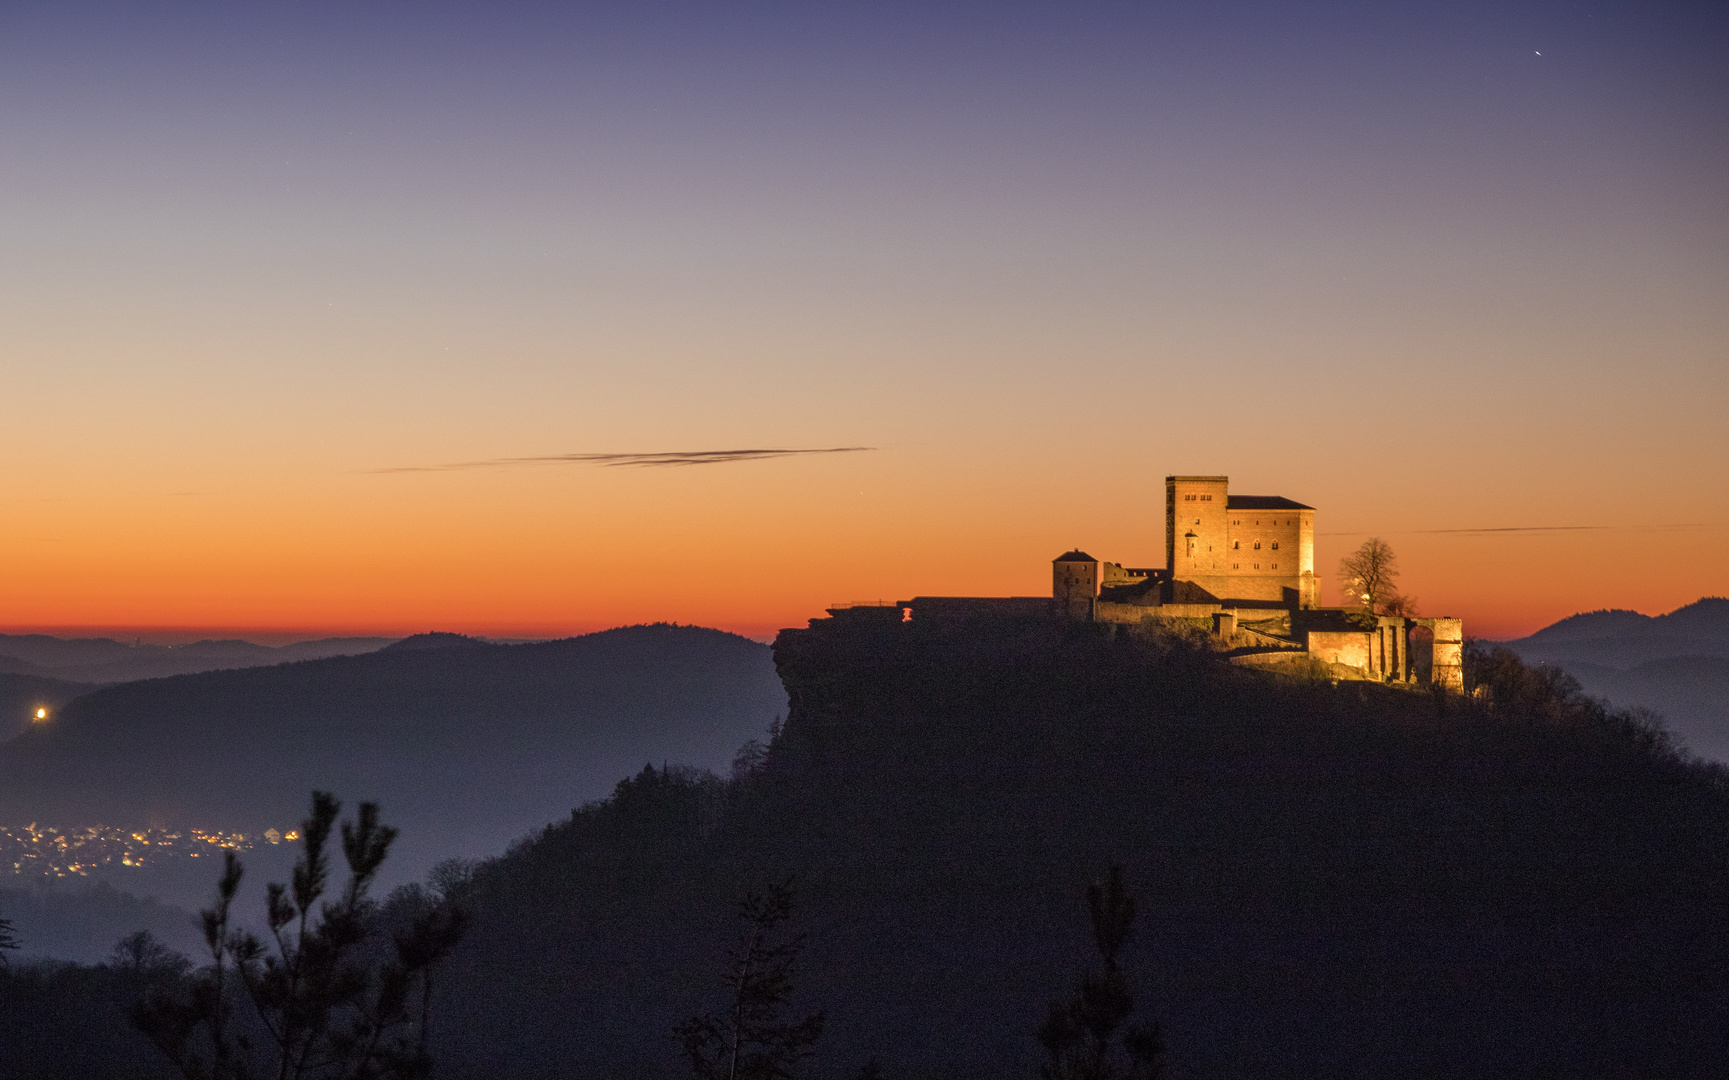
(1085, 1037)
(330, 1001)
(750, 1039)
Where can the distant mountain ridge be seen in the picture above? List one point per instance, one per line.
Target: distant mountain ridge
(436, 639)
(1676, 664)
(468, 745)
(1698, 629)
(105, 660)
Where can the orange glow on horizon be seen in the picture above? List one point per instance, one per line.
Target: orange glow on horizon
(752, 549)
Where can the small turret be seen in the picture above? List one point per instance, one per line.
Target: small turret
(1075, 582)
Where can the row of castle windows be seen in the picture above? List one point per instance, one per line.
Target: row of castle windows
(1235, 544)
(1239, 566)
(1288, 522)
(1197, 498)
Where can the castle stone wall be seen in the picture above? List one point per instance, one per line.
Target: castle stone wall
(1448, 667)
(1348, 647)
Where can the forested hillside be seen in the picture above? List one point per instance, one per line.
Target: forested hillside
(1344, 880)
(1336, 881)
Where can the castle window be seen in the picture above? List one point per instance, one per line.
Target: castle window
(1275, 566)
(1257, 545)
(1235, 544)
(1275, 545)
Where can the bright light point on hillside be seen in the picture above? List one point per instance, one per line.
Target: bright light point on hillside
(41, 714)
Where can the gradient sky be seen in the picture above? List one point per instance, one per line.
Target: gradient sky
(1428, 268)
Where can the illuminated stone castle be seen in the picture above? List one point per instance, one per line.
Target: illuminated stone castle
(1242, 566)
(1219, 548)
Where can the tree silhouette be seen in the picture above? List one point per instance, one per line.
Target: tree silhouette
(1367, 577)
(8, 942)
(751, 1040)
(1081, 1035)
(330, 1000)
(139, 953)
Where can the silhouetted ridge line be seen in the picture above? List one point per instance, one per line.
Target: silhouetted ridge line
(436, 639)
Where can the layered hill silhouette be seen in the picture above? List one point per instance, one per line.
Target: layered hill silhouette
(1343, 880)
(466, 744)
(1336, 880)
(1623, 639)
(104, 660)
(1675, 664)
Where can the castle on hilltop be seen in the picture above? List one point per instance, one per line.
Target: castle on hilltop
(1257, 550)
(1240, 566)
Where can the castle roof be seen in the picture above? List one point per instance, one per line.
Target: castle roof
(1076, 555)
(1262, 502)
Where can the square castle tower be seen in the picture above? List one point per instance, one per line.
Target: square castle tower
(1258, 548)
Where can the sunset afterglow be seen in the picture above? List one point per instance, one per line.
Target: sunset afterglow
(316, 320)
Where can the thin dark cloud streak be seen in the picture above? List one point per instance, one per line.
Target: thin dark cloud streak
(1568, 528)
(664, 459)
(1522, 528)
(1498, 530)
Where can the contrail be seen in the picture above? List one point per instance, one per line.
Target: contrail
(665, 458)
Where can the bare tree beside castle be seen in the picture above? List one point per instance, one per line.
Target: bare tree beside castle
(1368, 578)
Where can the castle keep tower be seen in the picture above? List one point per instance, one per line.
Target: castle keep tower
(1196, 531)
(1240, 547)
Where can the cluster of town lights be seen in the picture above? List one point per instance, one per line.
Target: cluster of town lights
(76, 852)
